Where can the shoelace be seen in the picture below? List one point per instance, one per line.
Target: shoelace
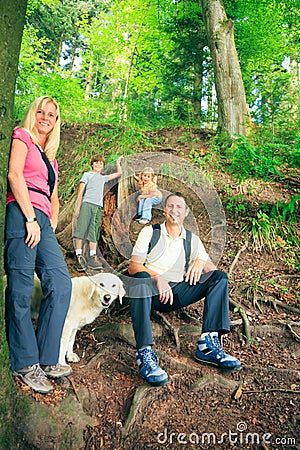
(38, 373)
(149, 358)
(217, 345)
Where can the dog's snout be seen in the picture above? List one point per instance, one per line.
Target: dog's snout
(107, 297)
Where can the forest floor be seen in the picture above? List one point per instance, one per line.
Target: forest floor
(255, 407)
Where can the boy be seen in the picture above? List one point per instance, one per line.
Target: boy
(88, 211)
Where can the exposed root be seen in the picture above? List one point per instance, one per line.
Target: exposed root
(189, 318)
(173, 329)
(182, 365)
(213, 379)
(244, 316)
(283, 305)
(265, 391)
(137, 403)
(237, 257)
(74, 388)
(296, 336)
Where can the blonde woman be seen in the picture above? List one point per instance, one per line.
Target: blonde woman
(30, 246)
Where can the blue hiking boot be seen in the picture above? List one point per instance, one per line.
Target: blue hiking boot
(212, 353)
(149, 369)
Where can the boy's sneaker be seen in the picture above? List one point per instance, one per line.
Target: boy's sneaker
(57, 371)
(214, 354)
(138, 217)
(94, 263)
(144, 221)
(81, 263)
(34, 377)
(149, 369)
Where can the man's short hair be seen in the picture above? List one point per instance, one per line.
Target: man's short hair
(177, 194)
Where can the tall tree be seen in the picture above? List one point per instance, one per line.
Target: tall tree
(233, 114)
(12, 17)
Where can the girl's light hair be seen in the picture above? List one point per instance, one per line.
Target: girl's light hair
(53, 139)
(147, 170)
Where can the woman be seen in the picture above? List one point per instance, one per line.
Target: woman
(31, 246)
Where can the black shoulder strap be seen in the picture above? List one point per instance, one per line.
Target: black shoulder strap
(155, 236)
(51, 174)
(187, 242)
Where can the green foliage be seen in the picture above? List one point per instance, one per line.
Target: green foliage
(235, 204)
(263, 232)
(289, 212)
(273, 227)
(249, 161)
(149, 63)
(66, 91)
(111, 141)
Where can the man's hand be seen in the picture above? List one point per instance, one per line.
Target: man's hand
(165, 291)
(195, 271)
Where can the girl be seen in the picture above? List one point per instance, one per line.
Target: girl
(148, 195)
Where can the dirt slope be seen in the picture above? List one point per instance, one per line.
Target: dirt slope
(255, 407)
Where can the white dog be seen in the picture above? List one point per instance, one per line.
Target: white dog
(90, 295)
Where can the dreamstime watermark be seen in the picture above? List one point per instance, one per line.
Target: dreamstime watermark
(239, 436)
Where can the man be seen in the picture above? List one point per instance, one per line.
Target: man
(163, 281)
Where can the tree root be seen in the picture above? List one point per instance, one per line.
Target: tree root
(244, 316)
(294, 334)
(190, 318)
(173, 329)
(283, 305)
(237, 257)
(137, 403)
(182, 365)
(264, 391)
(213, 379)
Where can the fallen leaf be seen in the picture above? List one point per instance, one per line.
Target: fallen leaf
(238, 393)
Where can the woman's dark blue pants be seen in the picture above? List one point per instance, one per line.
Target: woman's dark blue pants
(29, 346)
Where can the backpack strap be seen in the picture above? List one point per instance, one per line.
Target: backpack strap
(187, 242)
(155, 236)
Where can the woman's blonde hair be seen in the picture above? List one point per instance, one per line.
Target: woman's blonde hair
(29, 121)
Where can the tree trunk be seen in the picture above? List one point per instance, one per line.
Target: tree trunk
(126, 90)
(233, 114)
(197, 89)
(12, 17)
(88, 81)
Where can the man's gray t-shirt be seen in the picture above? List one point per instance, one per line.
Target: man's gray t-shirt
(94, 186)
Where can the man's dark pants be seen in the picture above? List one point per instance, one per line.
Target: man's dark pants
(144, 298)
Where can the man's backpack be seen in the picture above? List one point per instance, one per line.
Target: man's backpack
(186, 242)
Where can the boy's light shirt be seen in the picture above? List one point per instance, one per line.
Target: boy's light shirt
(94, 187)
